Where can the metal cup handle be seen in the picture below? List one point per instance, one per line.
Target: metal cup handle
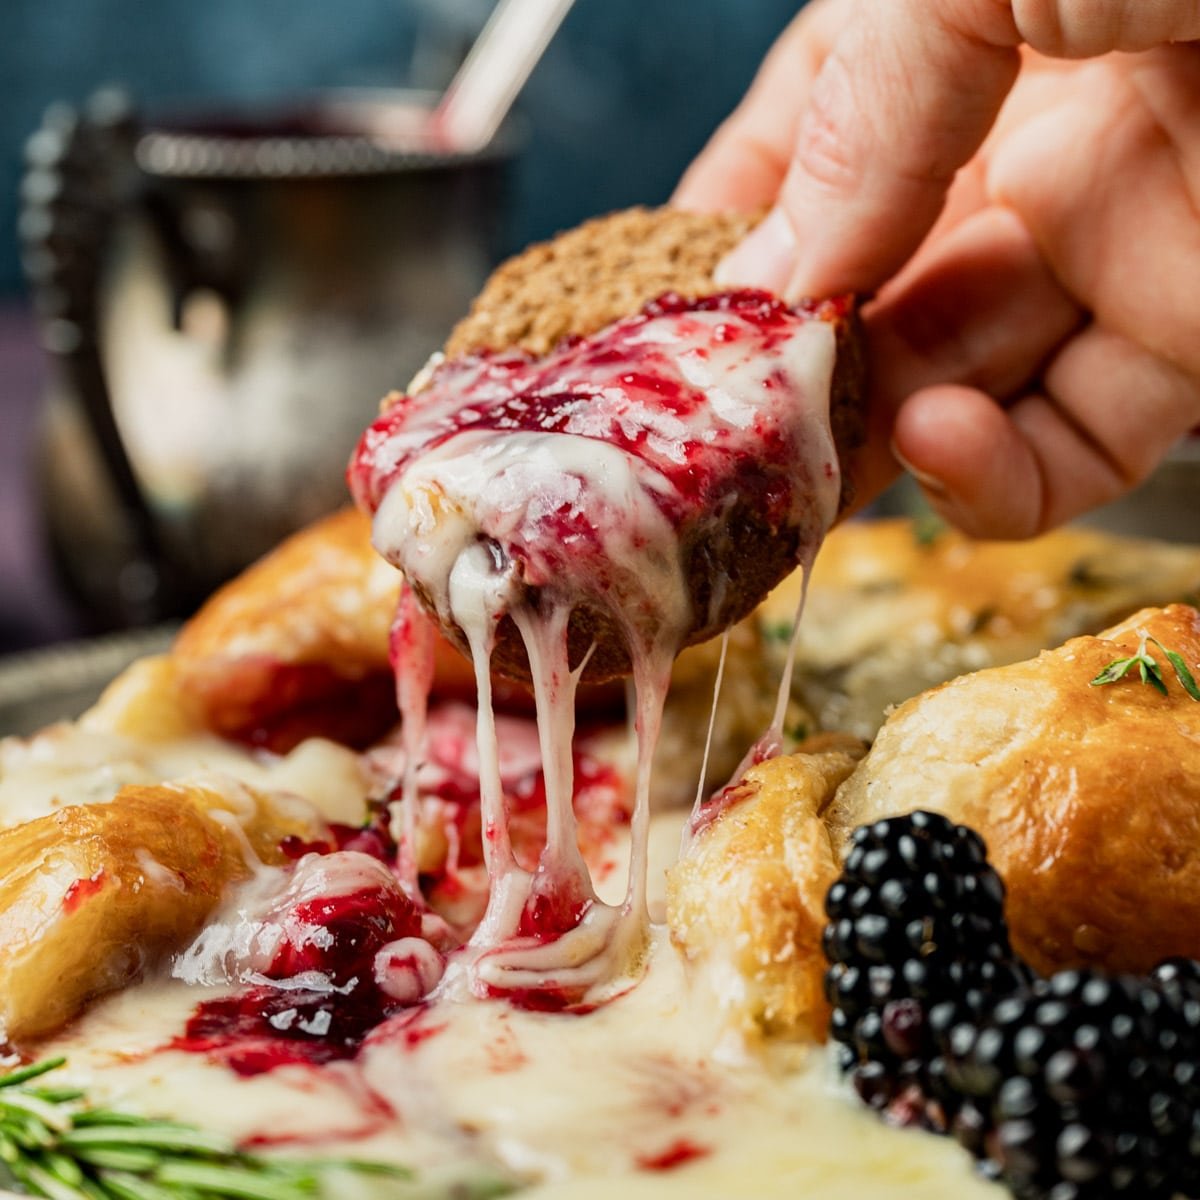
(80, 173)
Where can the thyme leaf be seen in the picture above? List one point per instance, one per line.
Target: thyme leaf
(1182, 673)
(1148, 669)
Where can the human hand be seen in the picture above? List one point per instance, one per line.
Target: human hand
(1031, 223)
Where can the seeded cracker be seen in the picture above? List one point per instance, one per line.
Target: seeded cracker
(593, 275)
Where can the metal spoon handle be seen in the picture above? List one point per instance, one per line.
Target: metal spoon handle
(480, 95)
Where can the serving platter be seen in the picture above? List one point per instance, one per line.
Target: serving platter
(58, 683)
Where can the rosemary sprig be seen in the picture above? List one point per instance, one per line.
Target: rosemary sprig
(55, 1145)
(1148, 669)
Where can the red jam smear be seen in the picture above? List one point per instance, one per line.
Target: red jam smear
(262, 1028)
(275, 705)
(608, 386)
(339, 936)
(680, 1151)
(372, 839)
(82, 890)
(549, 999)
(719, 803)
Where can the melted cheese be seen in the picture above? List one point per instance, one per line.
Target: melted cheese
(527, 491)
(70, 764)
(586, 1104)
(578, 1104)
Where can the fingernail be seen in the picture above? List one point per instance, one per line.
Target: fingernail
(935, 487)
(765, 258)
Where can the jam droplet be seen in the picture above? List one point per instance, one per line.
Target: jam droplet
(82, 890)
(680, 1151)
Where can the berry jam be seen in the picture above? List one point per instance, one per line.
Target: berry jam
(550, 912)
(339, 936)
(372, 839)
(618, 386)
(332, 942)
(82, 890)
(275, 706)
(263, 1028)
(681, 1151)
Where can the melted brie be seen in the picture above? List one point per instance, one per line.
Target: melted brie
(648, 1093)
(512, 489)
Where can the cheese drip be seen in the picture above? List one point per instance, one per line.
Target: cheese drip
(525, 491)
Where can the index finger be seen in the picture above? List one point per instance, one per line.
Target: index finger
(906, 97)
(745, 161)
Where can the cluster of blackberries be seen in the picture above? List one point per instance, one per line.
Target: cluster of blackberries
(1077, 1087)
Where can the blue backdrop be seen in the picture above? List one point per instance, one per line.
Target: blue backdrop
(627, 93)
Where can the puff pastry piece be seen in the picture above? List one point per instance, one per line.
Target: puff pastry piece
(144, 702)
(298, 644)
(1088, 797)
(746, 902)
(894, 608)
(94, 893)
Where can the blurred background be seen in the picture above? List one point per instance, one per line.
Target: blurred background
(625, 95)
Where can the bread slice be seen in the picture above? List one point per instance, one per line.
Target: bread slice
(598, 273)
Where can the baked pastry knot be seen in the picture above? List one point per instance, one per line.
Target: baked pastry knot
(746, 902)
(1087, 794)
(94, 893)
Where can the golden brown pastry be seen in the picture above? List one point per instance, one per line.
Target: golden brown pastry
(95, 893)
(897, 606)
(145, 702)
(297, 644)
(746, 902)
(1088, 796)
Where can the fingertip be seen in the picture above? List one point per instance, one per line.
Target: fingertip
(971, 462)
(736, 172)
(899, 105)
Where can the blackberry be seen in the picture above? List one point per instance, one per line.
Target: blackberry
(1061, 1079)
(1175, 1106)
(916, 924)
(1081, 1086)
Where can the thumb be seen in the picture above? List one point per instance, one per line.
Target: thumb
(903, 100)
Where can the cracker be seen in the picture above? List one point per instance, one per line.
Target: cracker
(595, 274)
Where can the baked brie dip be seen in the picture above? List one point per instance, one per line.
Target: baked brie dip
(382, 883)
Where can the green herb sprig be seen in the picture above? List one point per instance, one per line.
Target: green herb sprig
(1148, 669)
(55, 1145)
(927, 527)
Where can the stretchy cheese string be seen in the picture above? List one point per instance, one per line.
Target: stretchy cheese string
(514, 490)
